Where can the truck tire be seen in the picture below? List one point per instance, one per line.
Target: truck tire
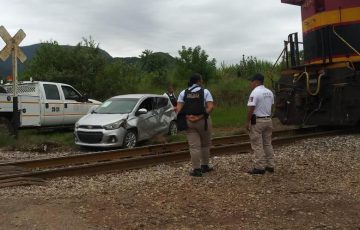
(6, 127)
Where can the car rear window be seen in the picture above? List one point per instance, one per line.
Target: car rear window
(117, 106)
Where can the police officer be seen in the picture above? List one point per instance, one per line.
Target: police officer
(196, 103)
(259, 124)
(170, 93)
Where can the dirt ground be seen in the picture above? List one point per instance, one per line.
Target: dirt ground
(316, 185)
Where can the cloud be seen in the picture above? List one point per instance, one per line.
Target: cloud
(224, 29)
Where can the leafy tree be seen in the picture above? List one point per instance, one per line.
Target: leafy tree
(251, 65)
(45, 64)
(157, 65)
(77, 65)
(117, 78)
(196, 60)
(154, 62)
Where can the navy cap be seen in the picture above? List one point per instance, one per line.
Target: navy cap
(194, 79)
(257, 76)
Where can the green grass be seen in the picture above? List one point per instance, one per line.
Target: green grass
(229, 116)
(32, 139)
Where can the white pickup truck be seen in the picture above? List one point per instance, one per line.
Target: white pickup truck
(44, 104)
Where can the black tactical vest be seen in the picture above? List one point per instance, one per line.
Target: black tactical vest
(172, 99)
(194, 102)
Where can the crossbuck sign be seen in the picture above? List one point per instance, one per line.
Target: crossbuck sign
(12, 43)
(12, 48)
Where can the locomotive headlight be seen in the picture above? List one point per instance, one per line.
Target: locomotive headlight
(114, 125)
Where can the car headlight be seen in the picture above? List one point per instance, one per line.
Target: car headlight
(114, 125)
(76, 125)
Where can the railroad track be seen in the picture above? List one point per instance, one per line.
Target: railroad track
(36, 171)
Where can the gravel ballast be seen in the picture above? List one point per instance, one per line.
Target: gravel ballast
(316, 185)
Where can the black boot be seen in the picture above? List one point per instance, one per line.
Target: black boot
(196, 173)
(206, 168)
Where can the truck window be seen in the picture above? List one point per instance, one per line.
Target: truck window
(51, 92)
(70, 93)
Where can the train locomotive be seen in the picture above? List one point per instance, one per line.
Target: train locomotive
(320, 84)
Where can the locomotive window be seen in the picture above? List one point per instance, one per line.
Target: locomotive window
(319, 5)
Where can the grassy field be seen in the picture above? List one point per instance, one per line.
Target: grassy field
(228, 116)
(34, 140)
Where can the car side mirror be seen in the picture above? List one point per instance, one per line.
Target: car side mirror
(141, 111)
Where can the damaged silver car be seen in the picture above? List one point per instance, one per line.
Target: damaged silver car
(123, 121)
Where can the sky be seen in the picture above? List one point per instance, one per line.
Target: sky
(226, 29)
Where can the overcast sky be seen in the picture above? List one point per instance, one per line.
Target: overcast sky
(225, 29)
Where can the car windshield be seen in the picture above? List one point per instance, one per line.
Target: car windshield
(117, 106)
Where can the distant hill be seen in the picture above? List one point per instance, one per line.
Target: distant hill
(30, 51)
(6, 66)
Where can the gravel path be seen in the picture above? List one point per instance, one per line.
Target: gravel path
(316, 185)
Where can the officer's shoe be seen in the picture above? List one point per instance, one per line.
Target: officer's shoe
(206, 168)
(256, 171)
(269, 169)
(196, 173)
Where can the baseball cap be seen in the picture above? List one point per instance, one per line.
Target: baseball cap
(257, 76)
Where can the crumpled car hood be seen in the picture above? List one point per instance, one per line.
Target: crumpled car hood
(101, 119)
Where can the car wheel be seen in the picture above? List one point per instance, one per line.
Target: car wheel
(172, 128)
(130, 139)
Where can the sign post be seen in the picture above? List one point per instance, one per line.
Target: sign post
(12, 48)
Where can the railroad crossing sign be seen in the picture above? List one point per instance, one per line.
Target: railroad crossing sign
(12, 48)
(12, 44)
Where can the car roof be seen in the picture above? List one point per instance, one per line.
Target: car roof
(138, 96)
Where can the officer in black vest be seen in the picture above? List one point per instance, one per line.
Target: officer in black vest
(195, 104)
(170, 93)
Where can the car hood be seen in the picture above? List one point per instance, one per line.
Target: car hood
(101, 119)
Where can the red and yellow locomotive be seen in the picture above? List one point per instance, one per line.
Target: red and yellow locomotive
(321, 82)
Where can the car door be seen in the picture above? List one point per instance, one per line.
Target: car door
(74, 108)
(146, 122)
(161, 111)
(52, 105)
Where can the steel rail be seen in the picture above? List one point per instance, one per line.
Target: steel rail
(144, 161)
(135, 152)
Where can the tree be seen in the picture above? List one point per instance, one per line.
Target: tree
(193, 60)
(155, 62)
(77, 65)
(117, 78)
(46, 63)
